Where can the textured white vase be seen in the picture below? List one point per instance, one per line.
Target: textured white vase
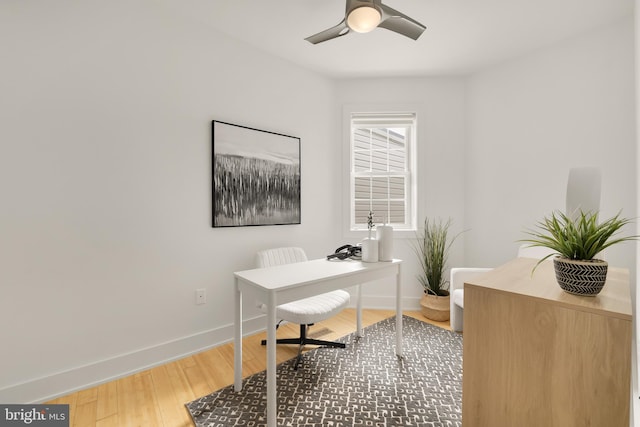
(384, 234)
(370, 250)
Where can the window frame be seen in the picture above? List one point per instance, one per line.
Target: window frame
(377, 114)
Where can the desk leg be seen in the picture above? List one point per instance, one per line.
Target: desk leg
(399, 312)
(237, 340)
(359, 312)
(271, 361)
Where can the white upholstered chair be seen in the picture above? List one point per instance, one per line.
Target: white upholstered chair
(307, 311)
(463, 274)
(583, 195)
(460, 275)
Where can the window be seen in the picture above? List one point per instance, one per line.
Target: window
(382, 148)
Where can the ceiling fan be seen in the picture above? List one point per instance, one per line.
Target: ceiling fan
(363, 16)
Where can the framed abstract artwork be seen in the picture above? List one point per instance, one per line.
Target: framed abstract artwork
(256, 176)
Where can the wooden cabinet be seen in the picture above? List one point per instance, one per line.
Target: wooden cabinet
(535, 355)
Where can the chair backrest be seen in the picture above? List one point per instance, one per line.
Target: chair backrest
(279, 256)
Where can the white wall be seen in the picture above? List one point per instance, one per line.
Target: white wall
(533, 118)
(105, 185)
(440, 106)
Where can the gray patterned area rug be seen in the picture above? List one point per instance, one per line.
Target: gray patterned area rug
(365, 384)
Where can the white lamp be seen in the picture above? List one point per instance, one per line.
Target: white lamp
(583, 191)
(363, 19)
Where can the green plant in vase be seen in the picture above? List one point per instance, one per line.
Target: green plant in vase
(575, 244)
(432, 249)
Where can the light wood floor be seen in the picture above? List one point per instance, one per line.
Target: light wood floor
(156, 397)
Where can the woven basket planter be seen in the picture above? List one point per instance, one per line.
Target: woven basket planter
(436, 307)
(580, 277)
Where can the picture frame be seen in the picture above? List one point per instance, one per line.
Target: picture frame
(255, 176)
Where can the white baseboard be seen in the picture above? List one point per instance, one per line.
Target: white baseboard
(72, 380)
(62, 383)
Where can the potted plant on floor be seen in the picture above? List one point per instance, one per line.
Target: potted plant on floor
(432, 248)
(576, 242)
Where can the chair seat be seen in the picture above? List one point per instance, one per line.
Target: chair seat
(458, 297)
(313, 309)
(304, 312)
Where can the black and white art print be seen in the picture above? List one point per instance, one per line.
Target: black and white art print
(256, 177)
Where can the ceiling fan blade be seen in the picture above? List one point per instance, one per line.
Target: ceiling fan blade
(400, 23)
(339, 30)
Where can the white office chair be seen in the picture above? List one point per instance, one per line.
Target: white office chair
(307, 311)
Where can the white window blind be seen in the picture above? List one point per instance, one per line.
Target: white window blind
(381, 176)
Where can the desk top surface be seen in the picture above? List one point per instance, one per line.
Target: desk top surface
(515, 277)
(307, 272)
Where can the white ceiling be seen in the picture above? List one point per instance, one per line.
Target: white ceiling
(461, 35)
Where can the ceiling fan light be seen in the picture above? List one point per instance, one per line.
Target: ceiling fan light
(363, 19)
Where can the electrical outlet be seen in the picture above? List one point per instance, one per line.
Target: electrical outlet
(201, 296)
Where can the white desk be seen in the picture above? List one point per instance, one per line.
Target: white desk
(284, 283)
